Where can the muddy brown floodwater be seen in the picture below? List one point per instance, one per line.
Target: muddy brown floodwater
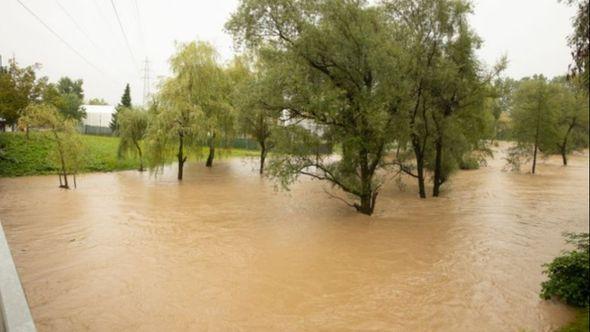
(224, 251)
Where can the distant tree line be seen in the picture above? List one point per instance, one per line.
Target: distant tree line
(20, 87)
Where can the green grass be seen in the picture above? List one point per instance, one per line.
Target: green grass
(20, 156)
(578, 325)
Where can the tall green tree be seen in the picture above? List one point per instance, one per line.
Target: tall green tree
(179, 122)
(66, 95)
(252, 91)
(499, 104)
(425, 39)
(66, 85)
(19, 87)
(572, 119)
(337, 72)
(219, 115)
(123, 104)
(534, 119)
(71, 98)
(579, 42)
(133, 123)
(447, 85)
(459, 91)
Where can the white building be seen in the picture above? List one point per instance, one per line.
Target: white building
(98, 115)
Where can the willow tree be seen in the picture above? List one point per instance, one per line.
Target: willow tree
(219, 117)
(179, 122)
(63, 133)
(132, 128)
(336, 71)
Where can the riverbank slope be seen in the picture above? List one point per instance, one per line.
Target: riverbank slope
(22, 156)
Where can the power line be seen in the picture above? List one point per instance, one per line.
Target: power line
(141, 32)
(78, 26)
(146, 81)
(85, 33)
(124, 34)
(60, 38)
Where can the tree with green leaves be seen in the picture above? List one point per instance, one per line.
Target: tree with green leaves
(534, 119)
(67, 96)
(423, 44)
(251, 89)
(461, 87)
(125, 103)
(66, 85)
(219, 116)
(64, 133)
(447, 87)
(71, 98)
(179, 121)
(337, 77)
(572, 119)
(579, 42)
(19, 87)
(97, 101)
(499, 103)
(133, 123)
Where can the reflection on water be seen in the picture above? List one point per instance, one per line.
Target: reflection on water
(224, 251)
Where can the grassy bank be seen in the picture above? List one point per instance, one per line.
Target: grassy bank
(579, 325)
(21, 156)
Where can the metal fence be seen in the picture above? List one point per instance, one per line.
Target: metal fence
(95, 130)
(245, 143)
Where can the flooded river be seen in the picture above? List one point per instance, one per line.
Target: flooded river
(224, 251)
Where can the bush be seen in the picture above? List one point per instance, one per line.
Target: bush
(569, 274)
(469, 163)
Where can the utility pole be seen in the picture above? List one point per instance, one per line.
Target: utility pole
(146, 81)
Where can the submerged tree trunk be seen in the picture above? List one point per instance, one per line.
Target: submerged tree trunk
(438, 179)
(536, 148)
(180, 155)
(211, 156)
(536, 144)
(64, 172)
(262, 156)
(367, 205)
(140, 155)
(419, 154)
(419, 148)
(368, 195)
(563, 146)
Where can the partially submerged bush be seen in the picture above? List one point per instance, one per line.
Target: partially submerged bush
(569, 274)
(516, 157)
(469, 163)
(476, 159)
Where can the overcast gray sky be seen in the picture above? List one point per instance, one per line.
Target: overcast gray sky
(531, 33)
